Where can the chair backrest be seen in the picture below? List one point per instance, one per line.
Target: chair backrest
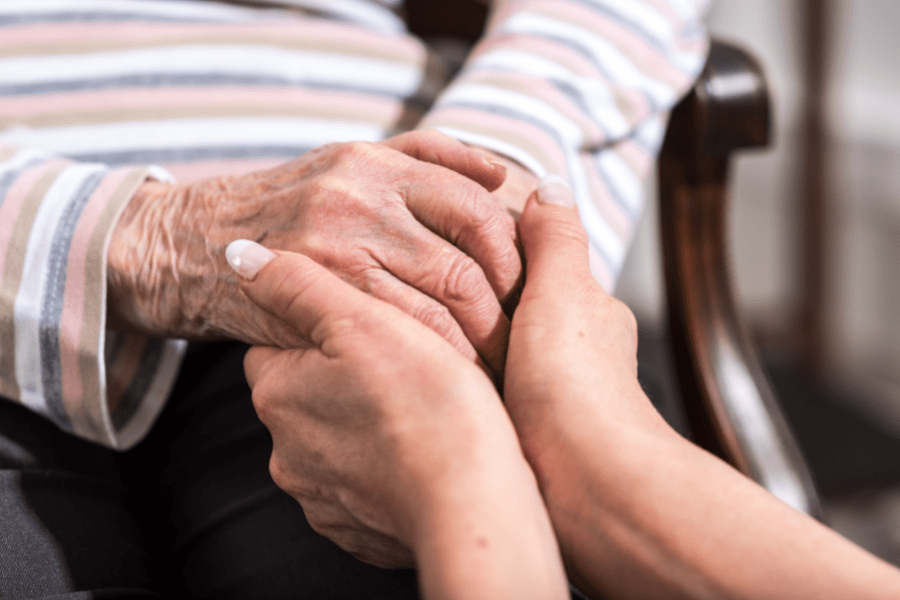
(729, 403)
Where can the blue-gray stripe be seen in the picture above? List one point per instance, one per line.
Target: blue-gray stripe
(634, 26)
(52, 302)
(505, 111)
(595, 63)
(9, 177)
(577, 98)
(18, 19)
(152, 80)
(175, 155)
(140, 384)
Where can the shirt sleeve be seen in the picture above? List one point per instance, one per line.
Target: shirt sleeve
(56, 219)
(579, 88)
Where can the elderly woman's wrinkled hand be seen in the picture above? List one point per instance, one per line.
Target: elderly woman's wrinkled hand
(410, 220)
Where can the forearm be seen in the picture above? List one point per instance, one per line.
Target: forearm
(490, 539)
(659, 517)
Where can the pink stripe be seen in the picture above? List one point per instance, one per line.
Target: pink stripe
(295, 98)
(481, 122)
(315, 32)
(15, 199)
(73, 302)
(186, 172)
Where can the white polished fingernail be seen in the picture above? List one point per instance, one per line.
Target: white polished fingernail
(247, 257)
(554, 189)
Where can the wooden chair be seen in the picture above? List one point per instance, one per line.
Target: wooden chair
(728, 400)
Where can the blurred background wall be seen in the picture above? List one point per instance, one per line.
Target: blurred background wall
(861, 303)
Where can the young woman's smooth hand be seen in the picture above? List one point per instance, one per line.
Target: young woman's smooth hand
(391, 439)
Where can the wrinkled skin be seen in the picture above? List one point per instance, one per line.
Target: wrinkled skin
(418, 408)
(410, 220)
(412, 459)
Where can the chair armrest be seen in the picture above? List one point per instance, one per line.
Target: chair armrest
(728, 400)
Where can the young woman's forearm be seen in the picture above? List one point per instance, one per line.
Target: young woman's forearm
(491, 540)
(655, 516)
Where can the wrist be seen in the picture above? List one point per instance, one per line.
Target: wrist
(574, 440)
(489, 537)
(157, 262)
(132, 252)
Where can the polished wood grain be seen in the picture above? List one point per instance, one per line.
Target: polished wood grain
(729, 402)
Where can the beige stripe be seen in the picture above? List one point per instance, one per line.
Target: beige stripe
(95, 420)
(337, 45)
(153, 113)
(7, 152)
(12, 277)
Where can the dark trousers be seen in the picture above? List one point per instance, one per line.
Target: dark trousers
(191, 512)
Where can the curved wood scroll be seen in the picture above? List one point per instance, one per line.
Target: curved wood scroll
(728, 400)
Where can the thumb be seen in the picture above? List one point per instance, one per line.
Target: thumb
(294, 288)
(554, 240)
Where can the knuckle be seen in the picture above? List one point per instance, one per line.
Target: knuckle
(436, 316)
(353, 152)
(322, 522)
(461, 279)
(480, 210)
(262, 403)
(439, 319)
(278, 473)
(323, 188)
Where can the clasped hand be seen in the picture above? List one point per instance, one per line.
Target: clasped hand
(392, 441)
(410, 220)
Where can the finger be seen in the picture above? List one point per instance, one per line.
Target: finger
(437, 268)
(555, 241)
(470, 218)
(255, 361)
(431, 146)
(426, 310)
(298, 290)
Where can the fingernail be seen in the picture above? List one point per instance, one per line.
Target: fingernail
(247, 257)
(553, 189)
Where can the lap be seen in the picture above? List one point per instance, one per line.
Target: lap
(190, 512)
(67, 524)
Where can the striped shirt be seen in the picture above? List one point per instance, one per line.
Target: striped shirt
(94, 93)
